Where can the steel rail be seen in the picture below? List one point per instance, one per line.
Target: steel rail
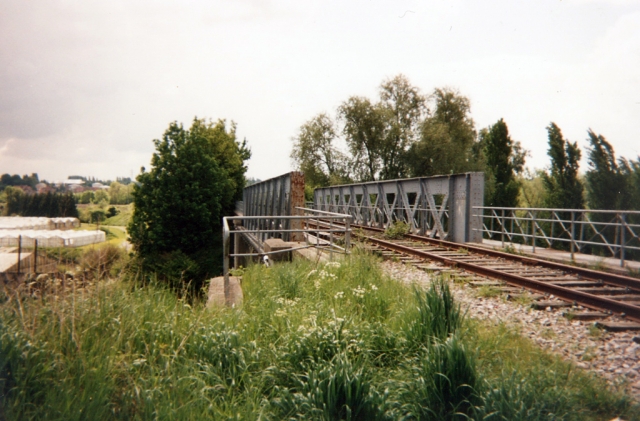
(588, 300)
(605, 277)
(594, 275)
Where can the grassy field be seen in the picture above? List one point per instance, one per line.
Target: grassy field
(325, 342)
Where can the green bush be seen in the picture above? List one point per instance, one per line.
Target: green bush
(397, 230)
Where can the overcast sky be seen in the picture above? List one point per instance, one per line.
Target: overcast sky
(85, 86)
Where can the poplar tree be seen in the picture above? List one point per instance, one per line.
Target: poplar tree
(606, 184)
(562, 185)
(504, 159)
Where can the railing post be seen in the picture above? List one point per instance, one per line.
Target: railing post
(533, 231)
(347, 235)
(331, 239)
(502, 227)
(19, 252)
(573, 235)
(622, 224)
(225, 260)
(35, 256)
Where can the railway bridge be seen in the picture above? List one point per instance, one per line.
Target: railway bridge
(446, 226)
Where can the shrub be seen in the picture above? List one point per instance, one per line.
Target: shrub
(396, 230)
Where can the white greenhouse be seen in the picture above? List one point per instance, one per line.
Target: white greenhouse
(50, 238)
(37, 223)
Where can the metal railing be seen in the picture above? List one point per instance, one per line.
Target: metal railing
(261, 228)
(612, 232)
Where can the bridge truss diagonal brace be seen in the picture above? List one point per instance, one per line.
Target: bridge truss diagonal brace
(439, 206)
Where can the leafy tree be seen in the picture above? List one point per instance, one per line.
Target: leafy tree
(50, 205)
(606, 182)
(532, 190)
(101, 196)
(230, 155)
(363, 128)
(403, 107)
(16, 180)
(120, 194)
(631, 171)
(447, 142)
(195, 177)
(562, 185)
(315, 154)
(505, 158)
(86, 197)
(14, 197)
(379, 135)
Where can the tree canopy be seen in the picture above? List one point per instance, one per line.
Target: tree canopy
(380, 134)
(50, 205)
(195, 177)
(611, 184)
(505, 158)
(562, 185)
(448, 140)
(315, 153)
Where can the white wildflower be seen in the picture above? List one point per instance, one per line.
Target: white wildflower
(332, 265)
(359, 292)
(339, 295)
(374, 288)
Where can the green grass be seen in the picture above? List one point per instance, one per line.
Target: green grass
(323, 342)
(122, 218)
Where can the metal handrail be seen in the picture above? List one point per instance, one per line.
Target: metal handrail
(312, 214)
(619, 232)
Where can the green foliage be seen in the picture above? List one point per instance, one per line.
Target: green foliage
(438, 315)
(338, 390)
(445, 383)
(314, 152)
(380, 134)
(121, 352)
(49, 205)
(447, 142)
(396, 230)
(562, 184)
(111, 212)
(504, 159)
(86, 197)
(195, 178)
(97, 216)
(120, 194)
(532, 189)
(606, 181)
(16, 180)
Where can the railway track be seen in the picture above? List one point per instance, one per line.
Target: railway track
(586, 294)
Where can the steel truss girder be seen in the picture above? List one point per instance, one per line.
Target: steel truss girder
(439, 206)
(278, 196)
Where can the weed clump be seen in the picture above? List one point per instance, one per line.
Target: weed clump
(397, 230)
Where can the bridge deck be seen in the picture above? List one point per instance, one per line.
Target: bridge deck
(611, 264)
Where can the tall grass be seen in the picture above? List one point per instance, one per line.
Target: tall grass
(312, 341)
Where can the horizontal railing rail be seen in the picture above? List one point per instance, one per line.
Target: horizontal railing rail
(609, 232)
(278, 225)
